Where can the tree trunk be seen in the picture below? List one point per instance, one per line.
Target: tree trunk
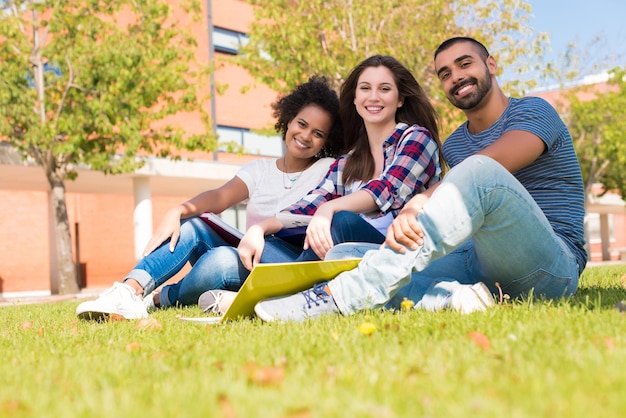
(63, 279)
(62, 268)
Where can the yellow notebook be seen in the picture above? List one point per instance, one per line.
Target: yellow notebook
(278, 279)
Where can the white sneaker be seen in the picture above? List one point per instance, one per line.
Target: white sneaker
(120, 299)
(148, 302)
(471, 298)
(216, 301)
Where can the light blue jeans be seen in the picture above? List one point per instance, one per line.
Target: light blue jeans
(215, 264)
(480, 225)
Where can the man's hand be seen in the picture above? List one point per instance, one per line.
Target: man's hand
(405, 232)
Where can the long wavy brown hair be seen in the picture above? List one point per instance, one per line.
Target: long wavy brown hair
(416, 110)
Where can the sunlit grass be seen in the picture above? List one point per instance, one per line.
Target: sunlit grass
(521, 359)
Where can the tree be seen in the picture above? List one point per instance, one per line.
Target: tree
(84, 83)
(292, 39)
(598, 128)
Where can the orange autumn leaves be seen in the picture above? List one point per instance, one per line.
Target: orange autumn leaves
(480, 339)
(146, 324)
(265, 375)
(28, 325)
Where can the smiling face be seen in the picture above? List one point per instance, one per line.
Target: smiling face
(377, 97)
(465, 76)
(307, 132)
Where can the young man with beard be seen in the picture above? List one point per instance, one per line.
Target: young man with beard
(507, 217)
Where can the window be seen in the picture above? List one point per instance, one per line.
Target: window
(228, 41)
(252, 143)
(235, 216)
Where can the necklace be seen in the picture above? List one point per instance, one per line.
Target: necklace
(288, 181)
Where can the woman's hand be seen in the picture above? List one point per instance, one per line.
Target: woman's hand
(318, 236)
(251, 247)
(168, 228)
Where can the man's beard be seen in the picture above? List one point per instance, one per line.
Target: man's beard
(474, 98)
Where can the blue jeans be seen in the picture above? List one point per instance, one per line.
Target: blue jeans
(480, 225)
(347, 227)
(215, 264)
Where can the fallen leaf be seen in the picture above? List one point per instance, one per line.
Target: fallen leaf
(392, 327)
(116, 317)
(40, 332)
(269, 376)
(26, 325)
(226, 407)
(366, 328)
(11, 407)
(480, 339)
(134, 346)
(148, 323)
(265, 376)
(609, 343)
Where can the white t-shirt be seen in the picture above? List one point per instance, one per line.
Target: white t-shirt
(268, 190)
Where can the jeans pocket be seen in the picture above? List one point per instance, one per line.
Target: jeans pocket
(542, 283)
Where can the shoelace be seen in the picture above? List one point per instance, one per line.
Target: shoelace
(215, 306)
(117, 287)
(315, 294)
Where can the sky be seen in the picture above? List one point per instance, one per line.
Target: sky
(580, 21)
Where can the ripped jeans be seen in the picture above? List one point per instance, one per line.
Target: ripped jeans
(480, 225)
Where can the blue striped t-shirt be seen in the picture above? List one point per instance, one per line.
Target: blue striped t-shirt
(553, 180)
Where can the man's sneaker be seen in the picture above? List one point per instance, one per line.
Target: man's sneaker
(621, 306)
(470, 298)
(118, 300)
(308, 304)
(216, 301)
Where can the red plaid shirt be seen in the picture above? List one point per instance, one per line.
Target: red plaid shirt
(411, 166)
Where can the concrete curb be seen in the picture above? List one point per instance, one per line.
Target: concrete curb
(29, 300)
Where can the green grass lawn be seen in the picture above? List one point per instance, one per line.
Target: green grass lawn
(520, 359)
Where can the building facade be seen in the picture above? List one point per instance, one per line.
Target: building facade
(112, 216)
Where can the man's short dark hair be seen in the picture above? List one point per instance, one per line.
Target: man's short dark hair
(482, 50)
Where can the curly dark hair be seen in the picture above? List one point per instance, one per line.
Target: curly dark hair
(317, 92)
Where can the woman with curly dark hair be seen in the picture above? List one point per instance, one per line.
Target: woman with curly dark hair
(308, 119)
